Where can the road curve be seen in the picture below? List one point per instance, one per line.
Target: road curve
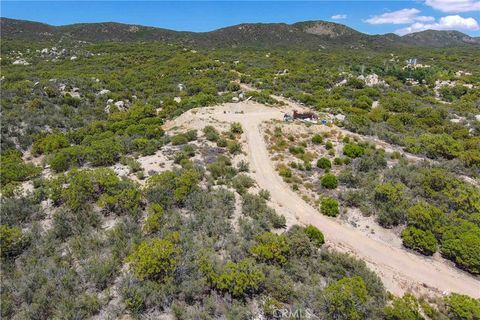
(400, 270)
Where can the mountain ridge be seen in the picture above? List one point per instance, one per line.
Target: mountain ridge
(305, 34)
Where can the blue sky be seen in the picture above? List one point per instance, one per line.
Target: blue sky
(367, 16)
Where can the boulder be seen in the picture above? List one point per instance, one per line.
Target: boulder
(21, 62)
(120, 105)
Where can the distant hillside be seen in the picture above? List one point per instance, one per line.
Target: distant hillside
(308, 34)
(435, 38)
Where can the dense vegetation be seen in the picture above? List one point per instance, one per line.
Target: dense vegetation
(84, 241)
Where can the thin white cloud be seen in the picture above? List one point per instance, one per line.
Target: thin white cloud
(339, 17)
(454, 6)
(454, 22)
(402, 16)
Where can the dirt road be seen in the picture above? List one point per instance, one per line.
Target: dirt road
(399, 269)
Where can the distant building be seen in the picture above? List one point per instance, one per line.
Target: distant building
(304, 115)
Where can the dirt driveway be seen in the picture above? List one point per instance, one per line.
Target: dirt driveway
(399, 269)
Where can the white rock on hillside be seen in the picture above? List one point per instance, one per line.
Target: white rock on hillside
(372, 80)
(341, 83)
(21, 62)
(120, 105)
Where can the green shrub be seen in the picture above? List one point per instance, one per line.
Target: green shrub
(324, 163)
(405, 308)
(234, 147)
(191, 135)
(307, 165)
(88, 185)
(154, 259)
(13, 169)
(296, 150)
(353, 150)
(211, 134)
(222, 142)
(242, 182)
(179, 139)
(315, 235)
(462, 307)
(104, 152)
(239, 279)
(329, 181)
(391, 202)
(271, 248)
(346, 299)
(461, 243)
(154, 218)
(222, 168)
(329, 207)
(66, 158)
(317, 139)
(362, 102)
(434, 145)
(265, 194)
(419, 240)
(424, 216)
(243, 166)
(299, 242)
(49, 143)
(256, 207)
(329, 145)
(236, 128)
(284, 171)
(10, 240)
(169, 188)
(233, 86)
(128, 200)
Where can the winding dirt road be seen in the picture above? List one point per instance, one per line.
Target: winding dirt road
(399, 269)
